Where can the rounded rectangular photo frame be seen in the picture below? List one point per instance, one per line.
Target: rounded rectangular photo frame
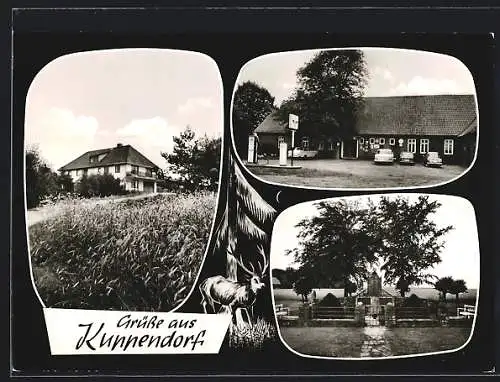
(376, 277)
(355, 118)
(122, 168)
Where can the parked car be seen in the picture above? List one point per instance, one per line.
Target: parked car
(432, 159)
(407, 157)
(384, 156)
(300, 153)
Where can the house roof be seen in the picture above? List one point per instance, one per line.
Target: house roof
(416, 115)
(272, 125)
(471, 129)
(404, 115)
(115, 155)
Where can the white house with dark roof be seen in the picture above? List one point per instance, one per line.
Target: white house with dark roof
(419, 124)
(135, 171)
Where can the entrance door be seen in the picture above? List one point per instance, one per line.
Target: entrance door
(349, 148)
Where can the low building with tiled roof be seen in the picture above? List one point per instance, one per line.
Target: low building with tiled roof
(443, 123)
(135, 171)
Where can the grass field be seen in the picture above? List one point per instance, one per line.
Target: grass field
(141, 254)
(347, 342)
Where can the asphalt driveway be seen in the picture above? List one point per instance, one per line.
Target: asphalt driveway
(338, 173)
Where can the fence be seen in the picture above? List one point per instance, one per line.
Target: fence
(412, 312)
(332, 312)
(467, 311)
(281, 310)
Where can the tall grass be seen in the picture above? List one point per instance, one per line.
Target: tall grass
(252, 337)
(131, 255)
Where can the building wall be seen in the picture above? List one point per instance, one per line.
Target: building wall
(368, 144)
(268, 144)
(123, 170)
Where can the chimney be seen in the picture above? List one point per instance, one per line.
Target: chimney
(119, 145)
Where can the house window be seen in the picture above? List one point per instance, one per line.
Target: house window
(448, 147)
(361, 140)
(424, 146)
(330, 146)
(135, 169)
(321, 145)
(94, 159)
(382, 141)
(135, 184)
(281, 139)
(117, 169)
(85, 172)
(412, 145)
(106, 170)
(149, 172)
(392, 141)
(372, 141)
(305, 143)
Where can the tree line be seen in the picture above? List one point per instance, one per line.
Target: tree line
(346, 239)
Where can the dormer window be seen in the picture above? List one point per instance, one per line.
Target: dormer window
(94, 159)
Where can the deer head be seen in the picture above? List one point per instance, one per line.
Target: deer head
(256, 275)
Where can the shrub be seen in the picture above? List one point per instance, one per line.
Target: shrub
(413, 302)
(99, 185)
(134, 255)
(330, 300)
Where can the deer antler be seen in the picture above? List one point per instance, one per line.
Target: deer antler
(265, 264)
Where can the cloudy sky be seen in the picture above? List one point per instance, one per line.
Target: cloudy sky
(460, 255)
(391, 72)
(141, 97)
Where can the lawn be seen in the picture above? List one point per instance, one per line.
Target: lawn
(330, 173)
(141, 254)
(347, 342)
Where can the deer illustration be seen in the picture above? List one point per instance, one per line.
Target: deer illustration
(231, 295)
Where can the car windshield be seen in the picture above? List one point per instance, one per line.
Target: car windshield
(406, 154)
(432, 154)
(385, 151)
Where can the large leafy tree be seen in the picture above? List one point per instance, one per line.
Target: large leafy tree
(412, 241)
(330, 90)
(252, 104)
(444, 285)
(457, 287)
(337, 244)
(194, 161)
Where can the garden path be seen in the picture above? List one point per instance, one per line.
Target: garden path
(375, 344)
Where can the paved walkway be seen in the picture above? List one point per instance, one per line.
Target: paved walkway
(374, 344)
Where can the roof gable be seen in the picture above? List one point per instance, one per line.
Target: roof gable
(271, 125)
(119, 154)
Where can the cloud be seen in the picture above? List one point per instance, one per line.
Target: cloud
(195, 104)
(425, 86)
(385, 73)
(61, 135)
(150, 136)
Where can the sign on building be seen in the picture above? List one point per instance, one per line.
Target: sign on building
(293, 122)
